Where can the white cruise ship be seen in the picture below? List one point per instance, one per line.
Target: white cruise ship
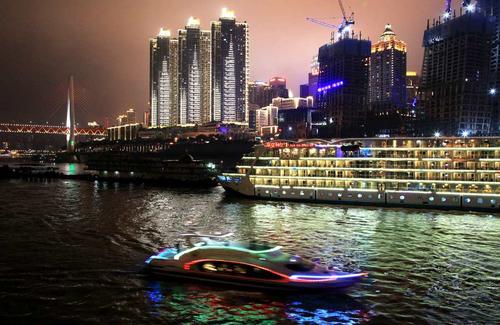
(444, 172)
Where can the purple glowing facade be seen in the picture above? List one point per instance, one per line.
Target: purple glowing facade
(330, 86)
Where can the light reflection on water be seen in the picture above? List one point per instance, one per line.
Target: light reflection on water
(89, 241)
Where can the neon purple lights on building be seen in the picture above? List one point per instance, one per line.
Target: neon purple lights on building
(331, 86)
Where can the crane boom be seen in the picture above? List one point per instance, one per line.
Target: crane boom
(322, 23)
(343, 10)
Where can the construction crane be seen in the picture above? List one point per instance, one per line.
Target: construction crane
(447, 10)
(343, 29)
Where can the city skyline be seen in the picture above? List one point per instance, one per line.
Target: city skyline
(54, 52)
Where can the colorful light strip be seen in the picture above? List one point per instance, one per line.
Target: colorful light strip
(320, 278)
(331, 86)
(293, 278)
(241, 249)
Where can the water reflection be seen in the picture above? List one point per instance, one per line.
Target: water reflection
(205, 304)
(425, 266)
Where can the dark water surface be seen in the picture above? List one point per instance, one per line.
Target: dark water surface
(73, 251)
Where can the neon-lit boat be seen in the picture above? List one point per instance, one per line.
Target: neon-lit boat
(246, 264)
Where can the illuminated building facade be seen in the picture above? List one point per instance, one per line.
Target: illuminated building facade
(455, 76)
(265, 117)
(387, 101)
(194, 72)
(230, 69)
(293, 103)
(163, 80)
(343, 80)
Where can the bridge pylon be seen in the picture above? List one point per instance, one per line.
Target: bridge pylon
(70, 117)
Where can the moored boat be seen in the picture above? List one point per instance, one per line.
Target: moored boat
(447, 173)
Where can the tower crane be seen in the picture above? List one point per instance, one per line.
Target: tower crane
(447, 10)
(343, 29)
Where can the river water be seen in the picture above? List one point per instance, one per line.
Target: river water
(73, 251)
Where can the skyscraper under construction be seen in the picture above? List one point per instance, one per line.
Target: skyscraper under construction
(343, 85)
(456, 74)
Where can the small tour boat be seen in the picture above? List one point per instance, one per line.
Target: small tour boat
(247, 264)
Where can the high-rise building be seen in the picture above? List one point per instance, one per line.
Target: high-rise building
(278, 86)
(259, 93)
(492, 9)
(266, 116)
(230, 69)
(304, 90)
(412, 102)
(147, 118)
(163, 80)
(387, 90)
(313, 78)
(194, 74)
(131, 119)
(456, 75)
(343, 85)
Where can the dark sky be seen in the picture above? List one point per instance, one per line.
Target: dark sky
(104, 43)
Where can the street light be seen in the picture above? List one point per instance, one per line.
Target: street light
(493, 91)
(437, 134)
(465, 133)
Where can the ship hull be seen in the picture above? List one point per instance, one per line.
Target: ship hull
(362, 197)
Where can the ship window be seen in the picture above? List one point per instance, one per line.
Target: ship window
(360, 196)
(300, 267)
(284, 192)
(493, 202)
(302, 193)
(402, 197)
(467, 200)
(443, 199)
(431, 199)
(235, 269)
(339, 195)
(267, 191)
(480, 200)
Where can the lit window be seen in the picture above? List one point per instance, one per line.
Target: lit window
(339, 195)
(360, 196)
(431, 199)
(443, 199)
(302, 193)
(480, 200)
(402, 197)
(467, 200)
(493, 202)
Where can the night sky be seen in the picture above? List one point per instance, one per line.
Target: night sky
(105, 45)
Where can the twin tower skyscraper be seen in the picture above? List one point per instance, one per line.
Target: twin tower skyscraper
(202, 75)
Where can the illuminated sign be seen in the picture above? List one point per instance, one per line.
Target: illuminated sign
(282, 145)
(331, 86)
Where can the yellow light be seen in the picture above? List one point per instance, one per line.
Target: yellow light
(164, 33)
(227, 13)
(193, 22)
